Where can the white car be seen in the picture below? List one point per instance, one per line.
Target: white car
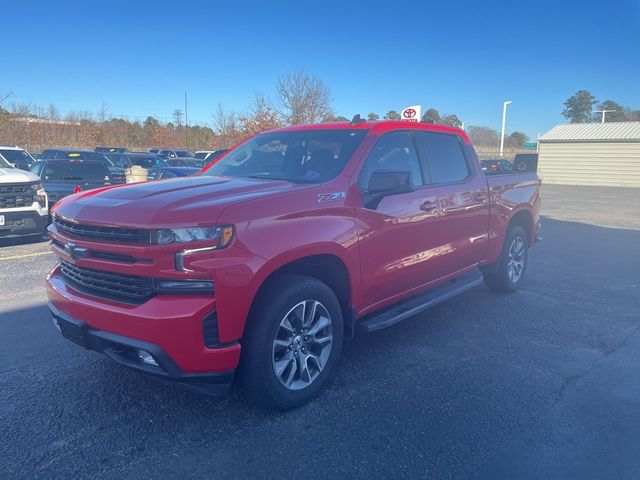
(24, 206)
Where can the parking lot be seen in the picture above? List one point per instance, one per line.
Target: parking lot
(544, 383)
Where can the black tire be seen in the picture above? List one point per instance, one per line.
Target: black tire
(257, 378)
(501, 280)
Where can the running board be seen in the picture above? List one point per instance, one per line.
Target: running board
(414, 305)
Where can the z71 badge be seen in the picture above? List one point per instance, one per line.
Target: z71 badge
(330, 197)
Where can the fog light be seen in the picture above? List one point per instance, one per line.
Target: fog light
(147, 358)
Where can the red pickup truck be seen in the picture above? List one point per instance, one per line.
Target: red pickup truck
(261, 266)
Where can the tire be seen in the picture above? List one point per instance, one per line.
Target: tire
(512, 263)
(275, 349)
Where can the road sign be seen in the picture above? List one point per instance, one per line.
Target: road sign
(530, 145)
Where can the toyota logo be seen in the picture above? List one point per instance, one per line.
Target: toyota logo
(409, 113)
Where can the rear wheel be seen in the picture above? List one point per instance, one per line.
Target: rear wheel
(512, 263)
(292, 343)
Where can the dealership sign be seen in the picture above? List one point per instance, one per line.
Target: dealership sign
(411, 114)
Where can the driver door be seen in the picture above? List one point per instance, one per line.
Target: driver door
(401, 239)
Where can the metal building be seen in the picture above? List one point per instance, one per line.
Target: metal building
(591, 154)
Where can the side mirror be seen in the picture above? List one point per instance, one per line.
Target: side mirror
(383, 183)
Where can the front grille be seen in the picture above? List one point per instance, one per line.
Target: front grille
(93, 232)
(16, 196)
(115, 286)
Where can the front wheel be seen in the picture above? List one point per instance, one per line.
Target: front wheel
(292, 342)
(512, 263)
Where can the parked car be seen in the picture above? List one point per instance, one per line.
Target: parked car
(525, 162)
(257, 269)
(184, 162)
(164, 173)
(16, 156)
(212, 157)
(111, 149)
(116, 173)
(145, 160)
(24, 206)
(120, 160)
(154, 150)
(180, 158)
(202, 154)
(496, 166)
(64, 177)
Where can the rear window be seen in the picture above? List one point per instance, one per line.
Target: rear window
(147, 161)
(184, 153)
(75, 171)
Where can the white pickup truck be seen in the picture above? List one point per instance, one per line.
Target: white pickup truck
(24, 206)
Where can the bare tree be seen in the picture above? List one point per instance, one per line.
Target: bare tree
(227, 124)
(262, 116)
(303, 98)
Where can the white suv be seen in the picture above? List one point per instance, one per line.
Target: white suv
(24, 206)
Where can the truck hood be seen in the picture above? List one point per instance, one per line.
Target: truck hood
(15, 175)
(179, 202)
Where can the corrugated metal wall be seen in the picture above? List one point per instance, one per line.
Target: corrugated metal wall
(590, 163)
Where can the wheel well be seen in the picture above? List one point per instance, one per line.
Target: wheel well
(523, 219)
(329, 269)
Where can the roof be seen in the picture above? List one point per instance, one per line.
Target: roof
(593, 132)
(380, 126)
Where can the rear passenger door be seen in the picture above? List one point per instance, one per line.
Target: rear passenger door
(463, 198)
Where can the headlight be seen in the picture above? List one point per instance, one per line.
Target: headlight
(165, 236)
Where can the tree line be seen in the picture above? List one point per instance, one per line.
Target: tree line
(579, 108)
(298, 98)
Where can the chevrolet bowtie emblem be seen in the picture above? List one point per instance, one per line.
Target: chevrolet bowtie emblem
(74, 251)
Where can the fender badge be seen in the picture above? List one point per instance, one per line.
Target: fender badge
(330, 197)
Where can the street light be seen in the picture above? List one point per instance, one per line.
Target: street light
(604, 112)
(504, 121)
(466, 122)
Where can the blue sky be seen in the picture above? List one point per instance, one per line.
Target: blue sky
(459, 57)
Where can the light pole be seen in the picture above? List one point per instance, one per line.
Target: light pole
(466, 122)
(504, 122)
(604, 112)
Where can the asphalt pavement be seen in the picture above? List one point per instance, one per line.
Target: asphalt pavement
(543, 383)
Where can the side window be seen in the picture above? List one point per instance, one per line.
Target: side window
(36, 168)
(445, 157)
(395, 151)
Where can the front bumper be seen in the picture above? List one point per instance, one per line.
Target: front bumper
(123, 350)
(20, 223)
(169, 327)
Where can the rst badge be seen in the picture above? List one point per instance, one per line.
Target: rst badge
(330, 197)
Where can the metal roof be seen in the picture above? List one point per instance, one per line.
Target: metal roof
(593, 132)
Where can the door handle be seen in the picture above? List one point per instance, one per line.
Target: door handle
(480, 197)
(429, 206)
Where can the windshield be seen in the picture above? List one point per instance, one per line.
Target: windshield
(184, 153)
(147, 161)
(119, 159)
(16, 156)
(300, 156)
(76, 171)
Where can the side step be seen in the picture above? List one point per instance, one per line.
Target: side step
(416, 304)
